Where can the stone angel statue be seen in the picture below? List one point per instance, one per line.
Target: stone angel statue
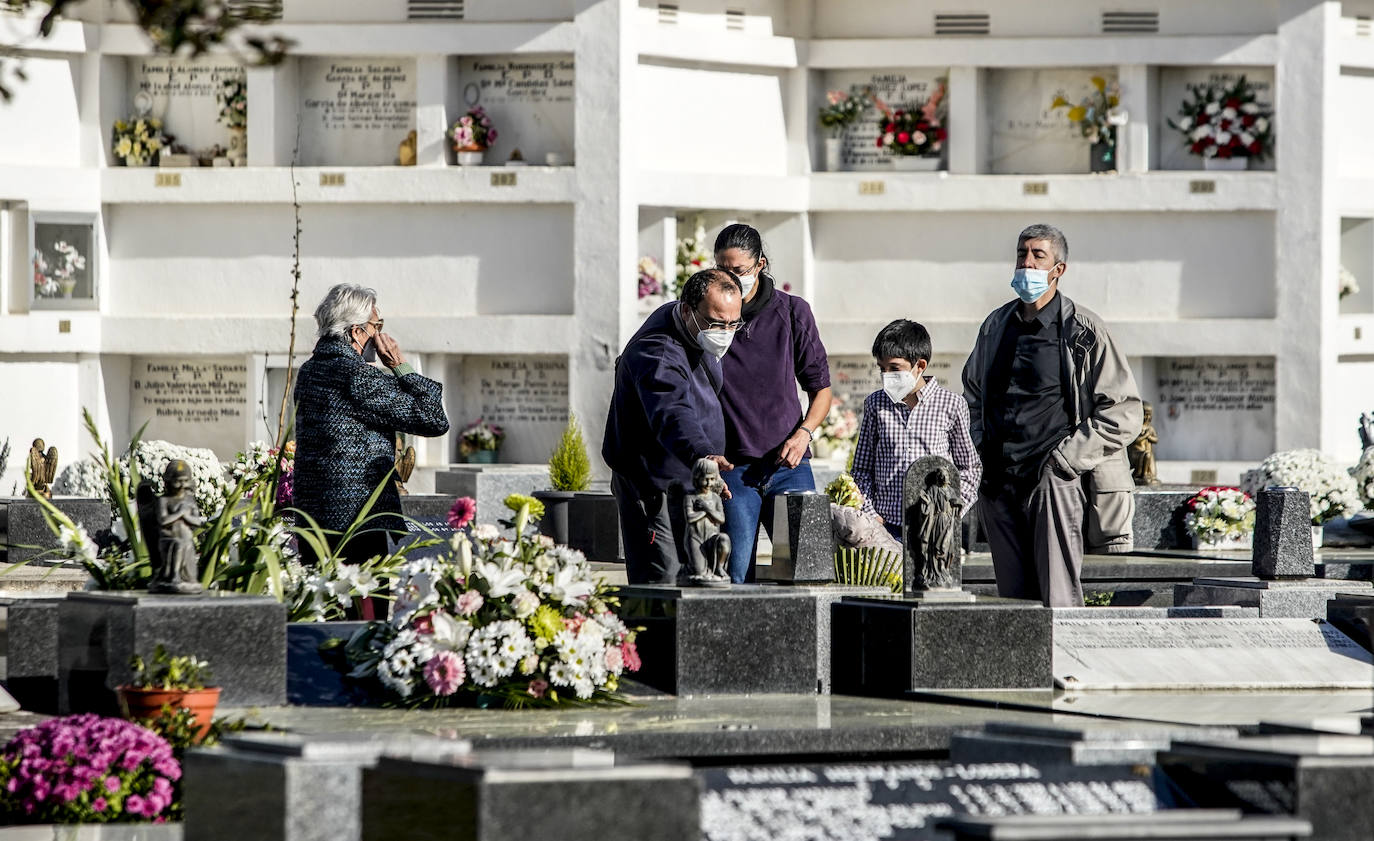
(42, 467)
(172, 518)
(708, 548)
(932, 509)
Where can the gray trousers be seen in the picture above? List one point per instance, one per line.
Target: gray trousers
(651, 528)
(1036, 539)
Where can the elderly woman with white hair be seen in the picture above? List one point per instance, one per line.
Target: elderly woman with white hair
(348, 413)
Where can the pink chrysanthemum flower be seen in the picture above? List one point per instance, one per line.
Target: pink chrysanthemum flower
(469, 602)
(462, 513)
(538, 687)
(445, 672)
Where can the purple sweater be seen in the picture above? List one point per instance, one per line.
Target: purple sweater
(775, 351)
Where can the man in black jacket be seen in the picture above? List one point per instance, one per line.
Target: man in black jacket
(665, 414)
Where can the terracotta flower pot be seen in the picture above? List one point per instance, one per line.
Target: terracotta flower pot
(139, 703)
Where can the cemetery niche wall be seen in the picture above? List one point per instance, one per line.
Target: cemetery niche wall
(63, 258)
(191, 401)
(1026, 135)
(526, 395)
(1211, 407)
(899, 88)
(355, 111)
(187, 95)
(529, 99)
(1173, 91)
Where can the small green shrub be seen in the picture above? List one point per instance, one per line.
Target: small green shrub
(569, 467)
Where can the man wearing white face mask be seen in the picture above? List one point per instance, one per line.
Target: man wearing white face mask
(665, 414)
(1052, 407)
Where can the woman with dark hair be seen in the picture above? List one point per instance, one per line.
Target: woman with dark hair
(768, 437)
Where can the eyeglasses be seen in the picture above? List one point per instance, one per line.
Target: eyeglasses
(740, 270)
(375, 325)
(731, 326)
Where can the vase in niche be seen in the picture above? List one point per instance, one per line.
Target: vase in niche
(1225, 164)
(471, 156)
(834, 159)
(916, 163)
(67, 287)
(1102, 154)
(238, 146)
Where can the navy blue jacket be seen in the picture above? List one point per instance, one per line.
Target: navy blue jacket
(665, 412)
(347, 417)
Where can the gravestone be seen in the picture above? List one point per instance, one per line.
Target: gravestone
(199, 402)
(1173, 88)
(529, 98)
(1353, 615)
(1324, 779)
(1026, 135)
(27, 535)
(1214, 408)
(354, 111)
(1158, 519)
(526, 395)
(571, 795)
(803, 540)
(931, 539)
(185, 96)
(1082, 742)
(31, 652)
(899, 88)
(1192, 654)
(1283, 536)
(242, 637)
(489, 485)
(905, 800)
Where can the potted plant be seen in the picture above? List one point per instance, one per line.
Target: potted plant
(914, 134)
(1097, 117)
(1331, 488)
(233, 113)
(472, 135)
(840, 112)
(171, 681)
(137, 141)
(570, 471)
(1220, 518)
(58, 276)
(479, 441)
(1225, 125)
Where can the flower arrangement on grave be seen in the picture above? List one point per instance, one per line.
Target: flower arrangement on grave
(166, 684)
(650, 277)
(1331, 487)
(1225, 121)
(233, 103)
(512, 620)
(913, 130)
(693, 254)
(844, 491)
(473, 132)
(137, 141)
(837, 432)
(480, 435)
(88, 769)
(1098, 115)
(57, 276)
(842, 110)
(1348, 282)
(1216, 514)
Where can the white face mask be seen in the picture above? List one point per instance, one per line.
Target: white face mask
(747, 281)
(898, 384)
(714, 342)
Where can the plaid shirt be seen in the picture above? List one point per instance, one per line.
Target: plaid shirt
(892, 437)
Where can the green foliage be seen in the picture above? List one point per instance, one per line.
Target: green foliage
(569, 467)
(167, 671)
(868, 567)
(1100, 599)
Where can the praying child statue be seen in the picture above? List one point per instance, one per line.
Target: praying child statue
(1141, 451)
(173, 518)
(708, 548)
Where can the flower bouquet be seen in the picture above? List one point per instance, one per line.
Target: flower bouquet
(914, 134)
(137, 141)
(693, 255)
(1331, 487)
(835, 437)
(519, 622)
(651, 282)
(472, 134)
(1363, 474)
(1225, 126)
(58, 276)
(233, 103)
(479, 441)
(1349, 284)
(840, 111)
(1097, 117)
(87, 769)
(1220, 518)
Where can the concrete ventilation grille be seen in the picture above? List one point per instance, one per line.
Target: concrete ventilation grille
(734, 19)
(270, 9)
(434, 9)
(1363, 26)
(667, 13)
(1124, 22)
(963, 23)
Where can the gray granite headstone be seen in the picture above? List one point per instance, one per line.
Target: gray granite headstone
(30, 648)
(490, 484)
(931, 538)
(1283, 534)
(1082, 742)
(27, 534)
(243, 638)
(803, 540)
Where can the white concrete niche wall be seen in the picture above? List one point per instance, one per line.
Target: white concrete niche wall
(712, 17)
(41, 125)
(1025, 135)
(1173, 92)
(529, 97)
(525, 394)
(354, 110)
(183, 94)
(1357, 256)
(1355, 125)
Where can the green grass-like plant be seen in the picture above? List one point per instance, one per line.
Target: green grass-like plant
(569, 467)
(868, 567)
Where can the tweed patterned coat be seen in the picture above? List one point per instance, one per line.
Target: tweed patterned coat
(347, 417)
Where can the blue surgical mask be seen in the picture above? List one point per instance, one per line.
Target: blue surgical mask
(1030, 284)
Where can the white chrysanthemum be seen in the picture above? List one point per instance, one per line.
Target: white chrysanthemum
(486, 532)
(1332, 489)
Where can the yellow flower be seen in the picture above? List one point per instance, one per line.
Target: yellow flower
(155, 123)
(124, 147)
(1099, 83)
(1077, 113)
(120, 125)
(154, 145)
(1113, 101)
(1059, 102)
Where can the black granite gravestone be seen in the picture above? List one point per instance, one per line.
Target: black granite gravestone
(27, 535)
(31, 652)
(311, 679)
(803, 540)
(1283, 534)
(1179, 825)
(931, 509)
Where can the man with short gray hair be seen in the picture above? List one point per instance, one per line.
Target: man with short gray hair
(1052, 407)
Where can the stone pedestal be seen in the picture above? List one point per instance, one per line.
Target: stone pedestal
(1158, 519)
(593, 526)
(1282, 544)
(889, 646)
(1304, 598)
(571, 795)
(31, 652)
(27, 534)
(749, 638)
(803, 540)
(243, 638)
(490, 484)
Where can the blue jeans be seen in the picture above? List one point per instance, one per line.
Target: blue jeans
(752, 484)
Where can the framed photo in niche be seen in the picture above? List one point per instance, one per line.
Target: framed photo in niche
(62, 260)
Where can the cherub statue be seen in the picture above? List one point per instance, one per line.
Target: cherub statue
(707, 547)
(1366, 431)
(937, 530)
(1141, 451)
(173, 518)
(405, 153)
(42, 467)
(405, 464)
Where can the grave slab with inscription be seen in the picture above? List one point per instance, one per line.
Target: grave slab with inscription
(529, 98)
(1026, 135)
(527, 396)
(1215, 408)
(897, 88)
(185, 95)
(192, 401)
(355, 111)
(1200, 654)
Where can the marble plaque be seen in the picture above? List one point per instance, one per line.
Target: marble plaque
(1214, 407)
(1173, 92)
(355, 111)
(898, 88)
(853, 378)
(1201, 654)
(904, 801)
(529, 99)
(1028, 137)
(184, 94)
(194, 402)
(525, 395)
